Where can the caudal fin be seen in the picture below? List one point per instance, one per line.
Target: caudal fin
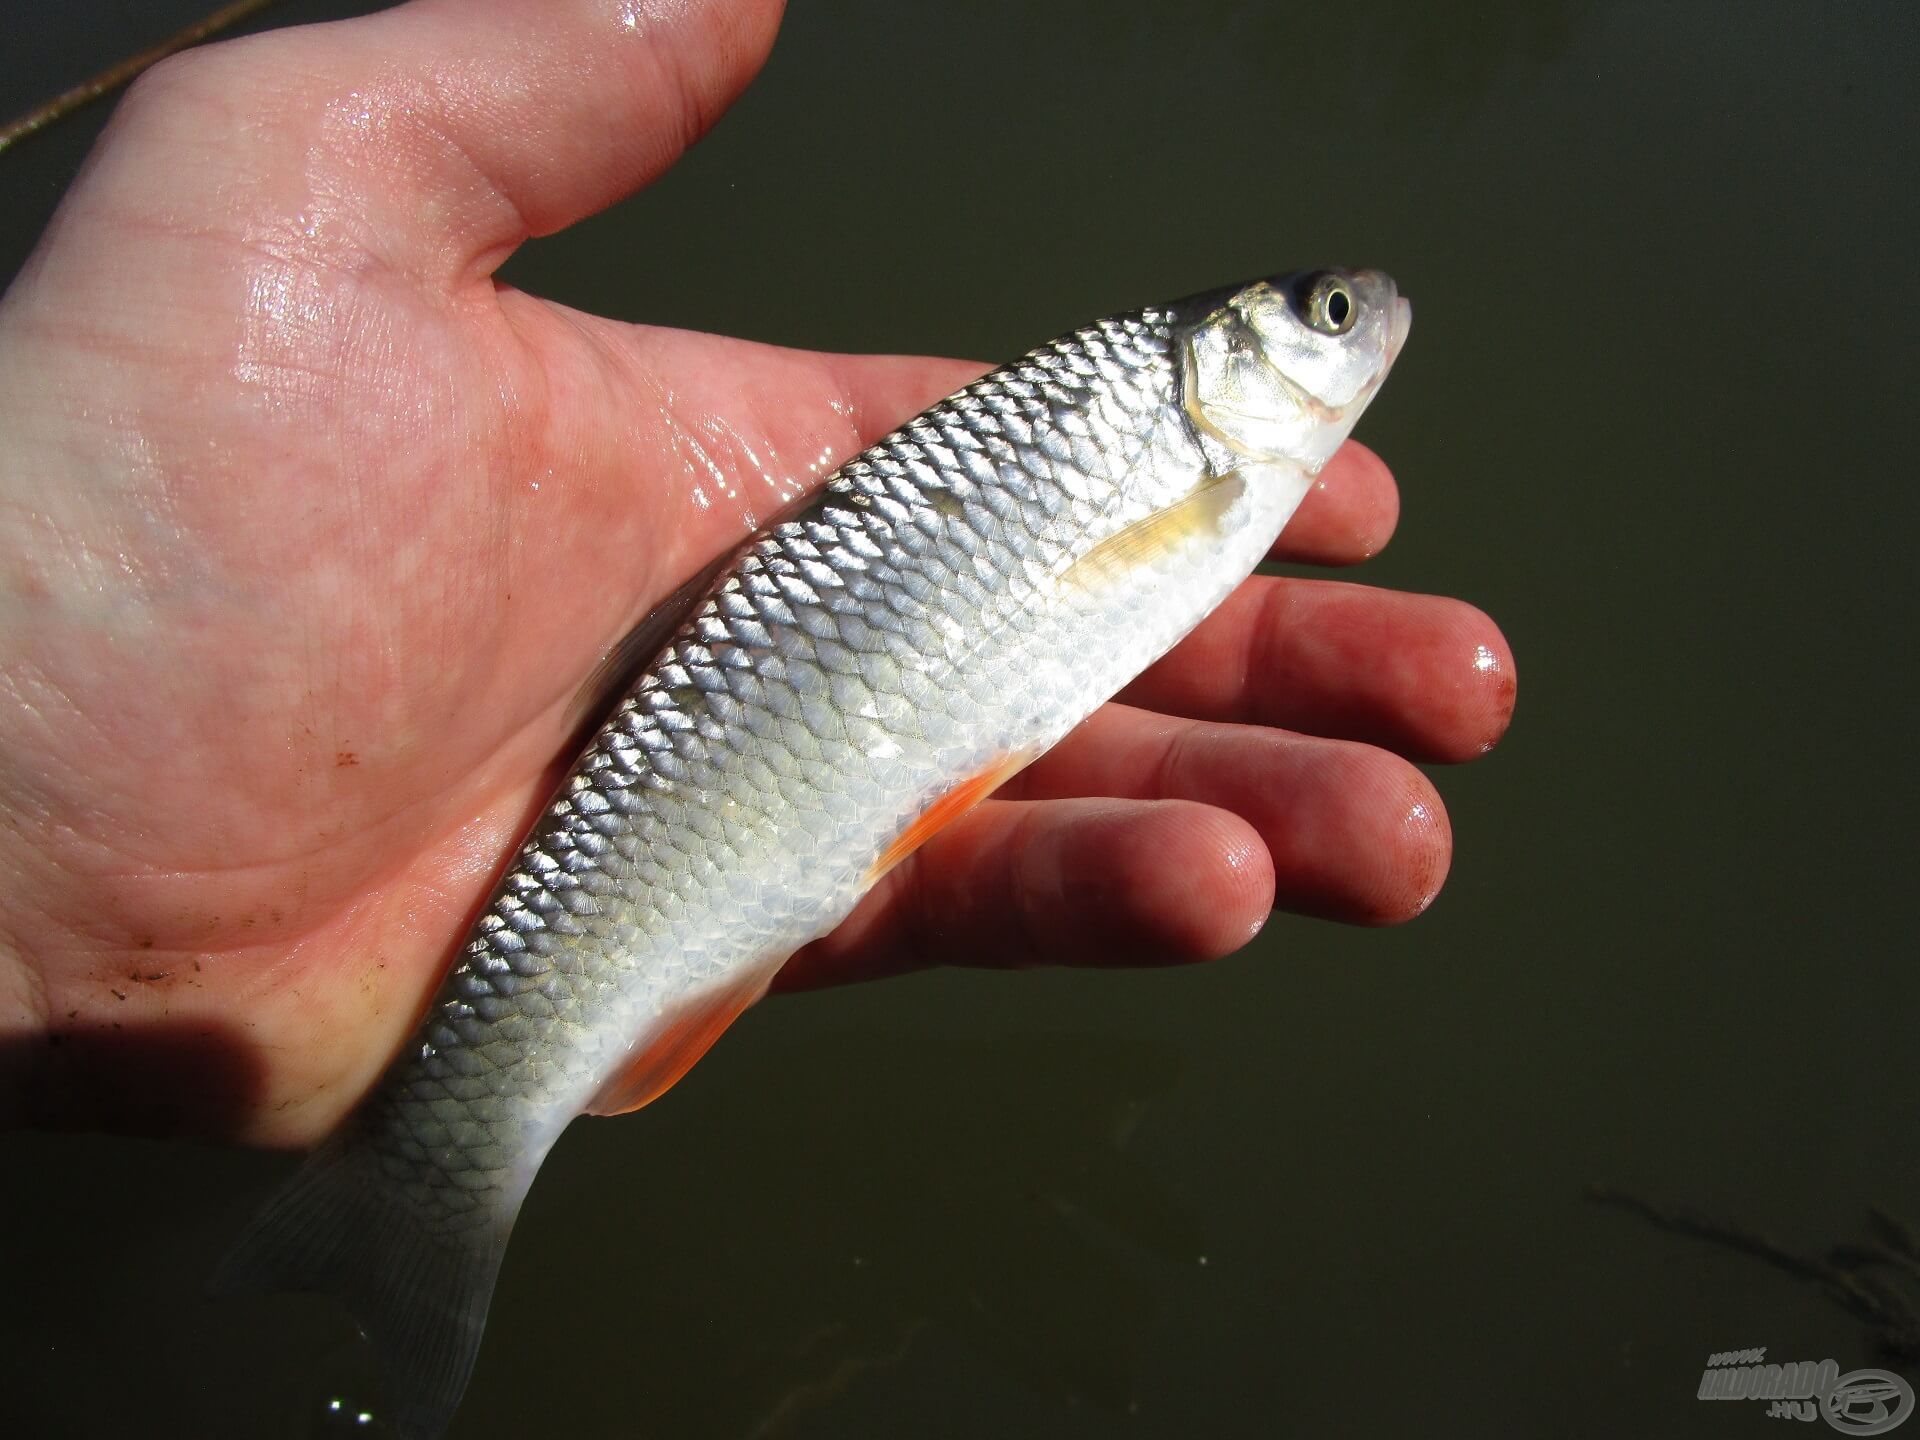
(418, 1291)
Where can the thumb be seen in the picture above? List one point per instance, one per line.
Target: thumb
(437, 136)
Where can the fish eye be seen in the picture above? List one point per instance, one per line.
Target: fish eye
(1329, 306)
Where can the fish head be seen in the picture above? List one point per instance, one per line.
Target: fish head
(1279, 370)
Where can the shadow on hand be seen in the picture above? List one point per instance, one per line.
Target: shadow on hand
(157, 1077)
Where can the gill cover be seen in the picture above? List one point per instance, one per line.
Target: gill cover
(1233, 392)
(1282, 369)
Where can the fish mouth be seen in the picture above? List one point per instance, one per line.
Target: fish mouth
(1398, 327)
(1399, 324)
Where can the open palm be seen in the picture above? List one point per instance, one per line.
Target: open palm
(311, 531)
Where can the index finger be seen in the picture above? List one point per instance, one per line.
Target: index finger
(1349, 514)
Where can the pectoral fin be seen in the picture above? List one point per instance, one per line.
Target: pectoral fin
(1196, 515)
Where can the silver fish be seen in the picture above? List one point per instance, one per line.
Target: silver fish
(950, 604)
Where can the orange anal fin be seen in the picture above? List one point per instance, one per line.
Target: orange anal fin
(947, 809)
(674, 1049)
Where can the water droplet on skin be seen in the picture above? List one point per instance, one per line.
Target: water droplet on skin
(642, 16)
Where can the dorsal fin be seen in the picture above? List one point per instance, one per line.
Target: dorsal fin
(630, 656)
(623, 665)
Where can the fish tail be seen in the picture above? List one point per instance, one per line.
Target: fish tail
(418, 1289)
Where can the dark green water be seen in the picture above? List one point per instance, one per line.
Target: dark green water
(1652, 418)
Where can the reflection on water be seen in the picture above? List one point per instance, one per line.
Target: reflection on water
(1008, 1214)
(1876, 1279)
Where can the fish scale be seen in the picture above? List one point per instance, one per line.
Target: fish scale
(950, 603)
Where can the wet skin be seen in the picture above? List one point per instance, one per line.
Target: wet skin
(310, 532)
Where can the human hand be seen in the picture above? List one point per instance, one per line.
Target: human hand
(310, 531)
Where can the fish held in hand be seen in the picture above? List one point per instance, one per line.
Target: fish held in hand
(856, 676)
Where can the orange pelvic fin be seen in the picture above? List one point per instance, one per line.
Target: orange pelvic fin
(947, 809)
(675, 1049)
